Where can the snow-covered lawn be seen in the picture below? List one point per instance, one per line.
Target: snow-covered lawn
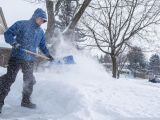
(84, 91)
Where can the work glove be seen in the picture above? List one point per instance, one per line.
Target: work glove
(50, 58)
(16, 45)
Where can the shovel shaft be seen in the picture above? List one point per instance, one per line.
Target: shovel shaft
(36, 54)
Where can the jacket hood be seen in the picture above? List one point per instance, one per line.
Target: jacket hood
(39, 13)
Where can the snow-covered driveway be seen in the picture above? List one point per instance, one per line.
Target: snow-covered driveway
(84, 91)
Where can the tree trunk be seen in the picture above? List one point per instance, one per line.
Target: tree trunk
(69, 31)
(51, 20)
(118, 74)
(134, 74)
(114, 66)
(78, 16)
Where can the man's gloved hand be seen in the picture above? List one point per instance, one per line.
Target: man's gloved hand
(16, 45)
(50, 58)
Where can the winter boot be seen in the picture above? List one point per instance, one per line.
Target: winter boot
(1, 105)
(26, 102)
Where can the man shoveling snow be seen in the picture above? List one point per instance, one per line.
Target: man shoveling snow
(25, 34)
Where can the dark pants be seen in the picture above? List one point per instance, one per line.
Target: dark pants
(8, 79)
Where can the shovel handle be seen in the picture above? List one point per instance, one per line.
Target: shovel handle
(36, 54)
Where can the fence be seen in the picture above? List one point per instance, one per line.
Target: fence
(4, 56)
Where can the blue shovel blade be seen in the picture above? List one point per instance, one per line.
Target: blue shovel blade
(68, 60)
(65, 60)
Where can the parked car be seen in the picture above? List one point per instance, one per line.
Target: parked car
(154, 78)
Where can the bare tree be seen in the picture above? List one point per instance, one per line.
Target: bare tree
(68, 32)
(112, 23)
(78, 15)
(51, 18)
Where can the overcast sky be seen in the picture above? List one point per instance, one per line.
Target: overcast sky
(18, 10)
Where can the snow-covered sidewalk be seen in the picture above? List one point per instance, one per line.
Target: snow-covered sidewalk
(84, 91)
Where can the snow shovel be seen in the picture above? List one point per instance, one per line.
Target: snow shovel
(65, 60)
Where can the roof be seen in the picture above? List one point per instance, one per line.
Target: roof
(3, 24)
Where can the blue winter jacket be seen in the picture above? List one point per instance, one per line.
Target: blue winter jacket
(29, 35)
